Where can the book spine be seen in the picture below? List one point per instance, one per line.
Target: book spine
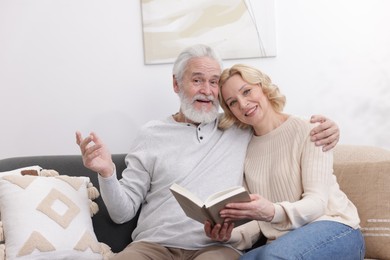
(208, 216)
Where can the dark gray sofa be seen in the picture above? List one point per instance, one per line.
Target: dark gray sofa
(114, 235)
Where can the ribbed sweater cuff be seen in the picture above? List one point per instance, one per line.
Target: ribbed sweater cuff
(280, 215)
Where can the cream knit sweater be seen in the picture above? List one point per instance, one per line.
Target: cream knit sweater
(285, 167)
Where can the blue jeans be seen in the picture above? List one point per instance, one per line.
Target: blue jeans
(317, 240)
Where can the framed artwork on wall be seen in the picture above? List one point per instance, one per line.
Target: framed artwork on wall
(237, 29)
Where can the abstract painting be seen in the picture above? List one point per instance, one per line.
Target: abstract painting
(237, 29)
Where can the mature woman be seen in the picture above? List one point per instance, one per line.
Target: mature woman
(295, 196)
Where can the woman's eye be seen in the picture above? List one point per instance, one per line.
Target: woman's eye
(232, 103)
(246, 92)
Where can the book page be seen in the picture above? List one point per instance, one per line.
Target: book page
(191, 205)
(216, 205)
(194, 208)
(177, 189)
(222, 195)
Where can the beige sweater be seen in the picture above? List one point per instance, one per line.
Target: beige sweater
(285, 167)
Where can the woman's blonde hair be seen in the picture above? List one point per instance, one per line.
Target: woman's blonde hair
(254, 77)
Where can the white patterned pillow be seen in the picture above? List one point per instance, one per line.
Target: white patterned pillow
(48, 217)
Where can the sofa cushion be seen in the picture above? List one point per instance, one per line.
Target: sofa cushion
(49, 217)
(367, 186)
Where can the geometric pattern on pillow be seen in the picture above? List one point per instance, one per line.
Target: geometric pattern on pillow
(72, 181)
(48, 218)
(47, 207)
(21, 181)
(35, 241)
(87, 241)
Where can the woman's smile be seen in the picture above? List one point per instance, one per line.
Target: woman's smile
(251, 111)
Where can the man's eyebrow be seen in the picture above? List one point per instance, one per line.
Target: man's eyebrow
(197, 74)
(202, 74)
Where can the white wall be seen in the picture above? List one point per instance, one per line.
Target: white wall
(68, 65)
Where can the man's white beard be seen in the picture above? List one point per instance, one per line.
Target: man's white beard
(187, 108)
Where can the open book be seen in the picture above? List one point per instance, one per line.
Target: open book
(209, 210)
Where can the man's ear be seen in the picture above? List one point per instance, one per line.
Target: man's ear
(176, 87)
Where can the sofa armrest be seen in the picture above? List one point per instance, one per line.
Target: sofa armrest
(363, 173)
